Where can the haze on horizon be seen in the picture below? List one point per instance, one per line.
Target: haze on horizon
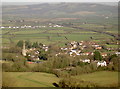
(33, 3)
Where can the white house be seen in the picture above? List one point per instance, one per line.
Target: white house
(86, 60)
(117, 53)
(2, 27)
(102, 63)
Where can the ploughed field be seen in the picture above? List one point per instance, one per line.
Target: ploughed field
(40, 79)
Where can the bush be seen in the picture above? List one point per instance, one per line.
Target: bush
(84, 69)
(16, 66)
(61, 74)
(97, 55)
(6, 67)
(60, 62)
(73, 83)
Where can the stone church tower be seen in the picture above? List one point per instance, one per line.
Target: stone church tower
(24, 51)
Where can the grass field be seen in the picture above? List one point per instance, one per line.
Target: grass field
(49, 35)
(29, 79)
(102, 78)
(39, 79)
(112, 46)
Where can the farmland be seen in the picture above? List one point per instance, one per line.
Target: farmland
(102, 78)
(50, 35)
(39, 79)
(29, 79)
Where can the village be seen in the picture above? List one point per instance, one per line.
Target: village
(72, 49)
(66, 45)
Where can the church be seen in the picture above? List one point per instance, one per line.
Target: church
(24, 51)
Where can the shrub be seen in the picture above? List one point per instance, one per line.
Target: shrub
(61, 74)
(73, 83)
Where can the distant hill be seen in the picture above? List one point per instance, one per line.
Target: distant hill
(61, 10)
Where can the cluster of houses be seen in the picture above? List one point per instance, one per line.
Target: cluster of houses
(99, 63)
(75, 49)
(45, 47)
(28, 26)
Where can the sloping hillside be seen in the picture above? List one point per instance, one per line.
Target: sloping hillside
(60, 10)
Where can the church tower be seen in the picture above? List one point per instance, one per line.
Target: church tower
(24, 51)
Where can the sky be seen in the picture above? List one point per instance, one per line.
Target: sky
(59, 0)
(29, 2)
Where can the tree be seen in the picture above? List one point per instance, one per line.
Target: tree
(40, 44)
(35, 45)
(112, 56)
(97, 56)
(43, 55)
(20, 43)
(104, 47)
(28, 44)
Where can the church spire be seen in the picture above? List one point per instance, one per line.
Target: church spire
(24, 51)
(24, 45)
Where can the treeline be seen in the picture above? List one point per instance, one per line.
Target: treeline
(58, 65)
(73, 83)
(29, 44)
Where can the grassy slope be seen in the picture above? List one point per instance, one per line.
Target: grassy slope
(29, 79)
(39, 79)
(102, 78)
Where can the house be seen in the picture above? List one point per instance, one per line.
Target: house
(117, 53)
(98, 47)
(37, 52)
(104, 54)
(64, 48)
(57, 54)
(91, 53)
(45, 48)
(2, 27)
(29, 62)
(95, 45)
(71, 53)
(84, 46)
(9, 27)
(80, 43)
(87, 53)
(101, 63)
(74, 46)
(74, 51)
(86, 60)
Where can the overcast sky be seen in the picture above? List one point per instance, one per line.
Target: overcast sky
(59, 0)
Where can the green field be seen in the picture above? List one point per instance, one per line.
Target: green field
(29, 79)
(39, 79)
(112, 46)
(50, 35)
(102, 78)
